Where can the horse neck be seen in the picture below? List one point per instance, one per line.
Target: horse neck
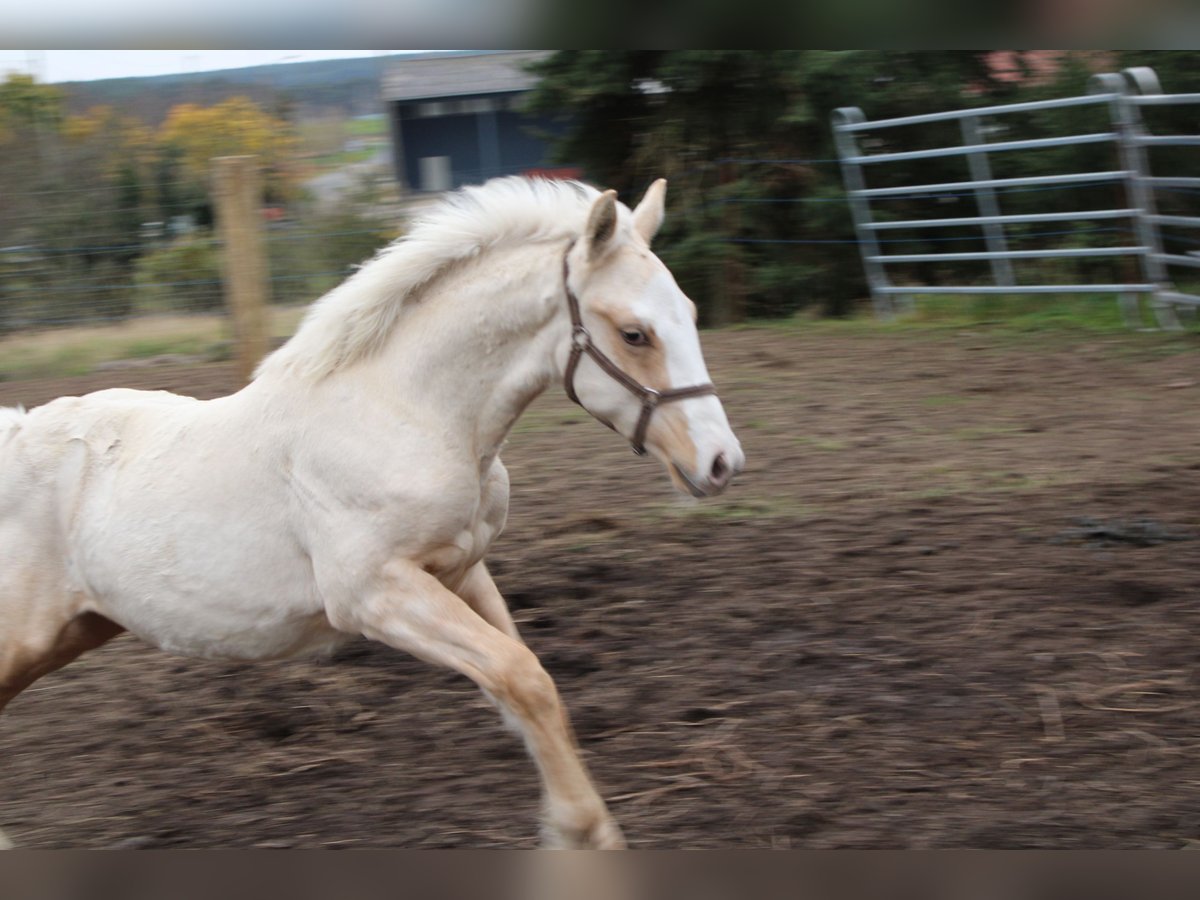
(476, 349)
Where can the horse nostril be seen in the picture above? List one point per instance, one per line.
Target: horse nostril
(720, 470)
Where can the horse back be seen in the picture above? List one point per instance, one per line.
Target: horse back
(47, 453)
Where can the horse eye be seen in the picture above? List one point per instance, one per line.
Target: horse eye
(634, 337)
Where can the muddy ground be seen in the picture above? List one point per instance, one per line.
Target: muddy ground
(952, 602)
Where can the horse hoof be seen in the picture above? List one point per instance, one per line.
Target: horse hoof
(602, 834)
(5, 843)
(607, 836)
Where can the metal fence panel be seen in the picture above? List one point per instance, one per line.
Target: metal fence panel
(1124, 94)
(1016, 219)
(1072, 140)
(1028, 181)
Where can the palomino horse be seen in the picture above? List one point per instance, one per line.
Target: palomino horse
(353, 487)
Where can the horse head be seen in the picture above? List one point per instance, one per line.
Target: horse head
(634, 360)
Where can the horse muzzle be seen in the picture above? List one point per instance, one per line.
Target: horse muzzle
(713, 477)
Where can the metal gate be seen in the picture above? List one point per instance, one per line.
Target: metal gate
(1125, 95)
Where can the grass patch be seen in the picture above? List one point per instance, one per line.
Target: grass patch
(730, 509)
(1020, 312)
(1016, 314)
(184, 344)
(944, 400)
(344, 158)
(933, 493)
(945, 481)
(536, 421)
(982, 432)
(805, 322)
(826, 445)
(77, 351)
(367, 126)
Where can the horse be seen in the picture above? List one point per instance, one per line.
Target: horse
(353, 486)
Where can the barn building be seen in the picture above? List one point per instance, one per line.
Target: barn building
(455, 119)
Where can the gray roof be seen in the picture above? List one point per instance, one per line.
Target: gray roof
(454, 74)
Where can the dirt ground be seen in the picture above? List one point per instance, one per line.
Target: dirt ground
(952, 602)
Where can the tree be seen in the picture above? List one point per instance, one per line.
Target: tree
(101, 210)
(26, 104)
(758, 223)
(744, 138)
(632, 116)
(234, 127)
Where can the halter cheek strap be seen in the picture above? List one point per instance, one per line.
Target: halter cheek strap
(581, 343)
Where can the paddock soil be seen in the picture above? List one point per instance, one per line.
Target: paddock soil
(952, 602)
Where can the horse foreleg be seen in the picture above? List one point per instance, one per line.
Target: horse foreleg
(415, 613)
(26, 658)
(481, 594)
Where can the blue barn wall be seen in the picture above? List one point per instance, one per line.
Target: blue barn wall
(520, 141)
(480, 145)
(453, 136)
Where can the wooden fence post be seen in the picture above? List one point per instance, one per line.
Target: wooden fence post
(238, 194)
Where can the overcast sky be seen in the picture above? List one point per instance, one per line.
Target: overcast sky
(85, 65)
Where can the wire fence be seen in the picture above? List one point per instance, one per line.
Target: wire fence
(83, 274)
(55, 270)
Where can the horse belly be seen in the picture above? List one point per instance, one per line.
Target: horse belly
(211, 605)
(191, 633)
(194, 558)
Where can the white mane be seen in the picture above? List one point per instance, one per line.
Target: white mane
(354, 319)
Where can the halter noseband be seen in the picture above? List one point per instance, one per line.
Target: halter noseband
(581, 343)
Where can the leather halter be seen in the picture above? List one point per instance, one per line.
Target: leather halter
(581, 343)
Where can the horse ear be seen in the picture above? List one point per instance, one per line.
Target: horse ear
(602, 223)
(648, 216)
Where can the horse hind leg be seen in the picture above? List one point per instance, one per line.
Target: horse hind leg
(25, 660)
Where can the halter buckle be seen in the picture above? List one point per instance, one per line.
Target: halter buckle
(650, 398)
(580, 337)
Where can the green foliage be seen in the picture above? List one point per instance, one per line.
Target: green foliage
(311, 257)
(750, 239)
(305, 259)
(26, 104)
(697, 116)
(368, 126)
(184, 276)
(89, 199)
(235, 127)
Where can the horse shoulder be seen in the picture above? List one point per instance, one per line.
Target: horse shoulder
(468, 537)
(436, 514)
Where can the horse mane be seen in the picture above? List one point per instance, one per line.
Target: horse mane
(354, 319)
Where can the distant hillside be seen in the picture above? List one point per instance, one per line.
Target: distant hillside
(298, 89)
